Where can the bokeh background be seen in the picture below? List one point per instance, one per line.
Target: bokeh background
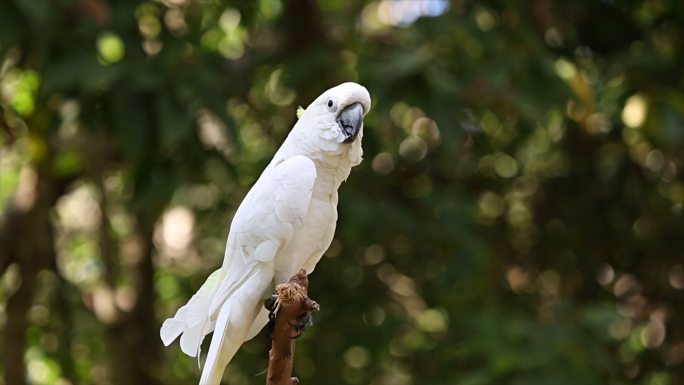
(517, 220)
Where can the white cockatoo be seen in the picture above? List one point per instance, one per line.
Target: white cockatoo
(285, 223)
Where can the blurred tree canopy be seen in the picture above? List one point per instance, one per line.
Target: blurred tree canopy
(517, 220)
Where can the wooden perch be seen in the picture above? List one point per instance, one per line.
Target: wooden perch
(292, 305)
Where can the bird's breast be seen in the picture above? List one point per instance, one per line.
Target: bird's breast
(313, 237)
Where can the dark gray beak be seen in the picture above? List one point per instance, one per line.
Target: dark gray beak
(350, 121)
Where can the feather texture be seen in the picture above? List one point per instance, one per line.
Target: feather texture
(192, 319)
(286, 222)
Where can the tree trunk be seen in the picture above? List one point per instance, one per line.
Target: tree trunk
(135, 347)
(26, 239)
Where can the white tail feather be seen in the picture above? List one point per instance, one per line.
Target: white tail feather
(170, 330)
(236, 320)
(192, 321)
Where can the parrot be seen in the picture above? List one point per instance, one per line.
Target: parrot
(285, 223)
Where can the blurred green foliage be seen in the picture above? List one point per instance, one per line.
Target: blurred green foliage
(517, 220)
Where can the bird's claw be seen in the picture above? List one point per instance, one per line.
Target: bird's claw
(271, 304)
(303, 322)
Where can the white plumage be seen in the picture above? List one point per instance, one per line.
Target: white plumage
(284, 224)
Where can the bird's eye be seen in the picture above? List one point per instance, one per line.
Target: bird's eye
(332, 106)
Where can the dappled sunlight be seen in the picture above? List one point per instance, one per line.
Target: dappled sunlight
(634, 113)
(25, 196)
(676, 277)
(413, 148)
(43, 370)
(517, 215)
(150, 28)
(605, 274)
(402, 288)
(80, 217)
(383, 163)
(400, 12)
(175, 232)
(432, 321)
(520, 280)
(19, 89)
(110, 48)
(276, 92)
(212, 132)
(79, 210)
(231, 44)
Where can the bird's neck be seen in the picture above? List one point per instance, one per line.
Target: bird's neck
(335, 171)
(331, 166)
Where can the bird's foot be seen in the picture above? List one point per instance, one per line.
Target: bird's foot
(271, 304)
(302, 322)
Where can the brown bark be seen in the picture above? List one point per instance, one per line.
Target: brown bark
(129, 335)
(14, 345)
(293, 303)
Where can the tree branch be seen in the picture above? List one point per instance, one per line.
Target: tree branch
(292, 303)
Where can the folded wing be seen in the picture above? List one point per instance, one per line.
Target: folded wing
(231, 298)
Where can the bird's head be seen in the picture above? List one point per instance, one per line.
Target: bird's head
(334, 121)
